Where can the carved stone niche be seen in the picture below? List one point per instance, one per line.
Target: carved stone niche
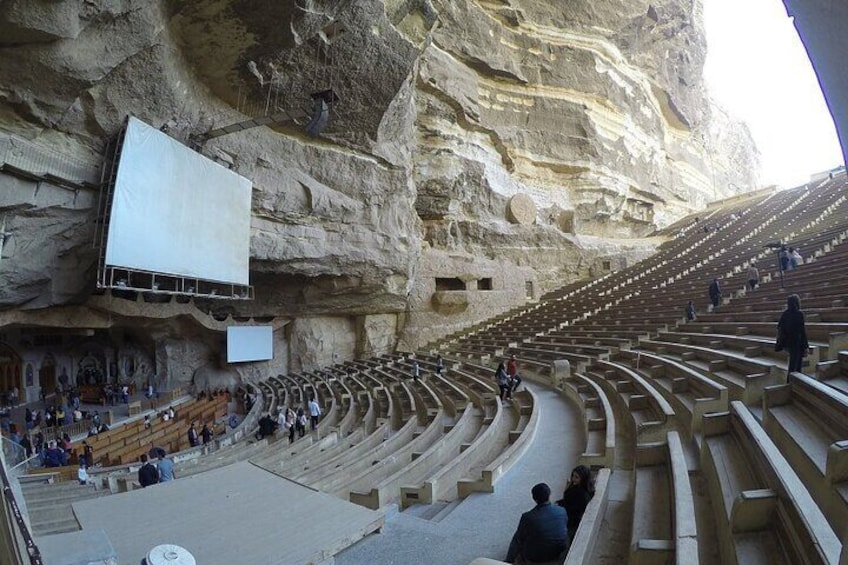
(521, 210)
(565, 221)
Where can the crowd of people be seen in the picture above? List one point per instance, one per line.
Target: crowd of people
(291, 420)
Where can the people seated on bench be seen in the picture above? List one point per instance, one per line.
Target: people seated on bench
(147, 474)
(541, 536)
(576, 497)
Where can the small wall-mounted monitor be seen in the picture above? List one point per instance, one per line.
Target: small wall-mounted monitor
(250, 343)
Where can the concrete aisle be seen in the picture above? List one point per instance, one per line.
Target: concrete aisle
(483, 524)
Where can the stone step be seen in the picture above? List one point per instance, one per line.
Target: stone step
(58, 526)
(48, 503)
(58, 494)
(28, 488)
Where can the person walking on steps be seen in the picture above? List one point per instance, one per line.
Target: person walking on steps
(715, 293)
(792, 334)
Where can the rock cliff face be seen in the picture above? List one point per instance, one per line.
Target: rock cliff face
(481, 152)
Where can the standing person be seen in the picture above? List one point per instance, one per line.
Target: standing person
(416, 370)
(511, 367)
(300, 422)
(715, 293)
(791, 333)
(440, 365)
(206, 434)
(503, 382)
(541, 536)
(166, 467)
(576, 497)
(291, 423)
(795, 259)
(753, 276)
(314, 412)
(690, 311)
(192, 436)
(88, 454)
(784, 259)
(147, 474)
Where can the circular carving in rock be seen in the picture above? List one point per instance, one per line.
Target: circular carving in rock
(521, 210)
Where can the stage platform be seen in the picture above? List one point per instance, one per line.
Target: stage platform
(236, 514)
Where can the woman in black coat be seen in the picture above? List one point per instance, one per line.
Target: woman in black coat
(576, 497)
(791, 333)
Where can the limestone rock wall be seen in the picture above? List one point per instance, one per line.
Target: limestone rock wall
(522, 143)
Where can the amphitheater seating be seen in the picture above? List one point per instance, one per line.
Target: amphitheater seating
(762, 509)
(598, 419)
(807, 421)
(685, 418)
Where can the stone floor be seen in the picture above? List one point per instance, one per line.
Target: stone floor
(483, 524)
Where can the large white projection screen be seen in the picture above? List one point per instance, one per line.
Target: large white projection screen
(176, 212)
(250, 343)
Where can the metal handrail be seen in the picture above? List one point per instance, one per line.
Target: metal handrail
(20, 529)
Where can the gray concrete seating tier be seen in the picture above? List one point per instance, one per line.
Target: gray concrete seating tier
(652, 416)
(379, 446)
(519, 437)
(598, 420)
(834, 373)
(411, 464)
(749, 346)
(744, 378)
(664, 525)
(380, 484)
(688, 391)
(474, 443)
(763, 511)
(808, 421)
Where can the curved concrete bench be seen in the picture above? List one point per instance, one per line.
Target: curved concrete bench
(598, 419)
(410, 458)
(495, 470)
(664, 522)
(808, 421)
(457, 455)
(651, 413)
(687, 390)
(361, 459)
(426, 456)
(765, 504)
(745, 378)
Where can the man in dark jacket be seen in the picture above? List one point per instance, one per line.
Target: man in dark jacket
(541, 535)
(715, 293)
(147, 475)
